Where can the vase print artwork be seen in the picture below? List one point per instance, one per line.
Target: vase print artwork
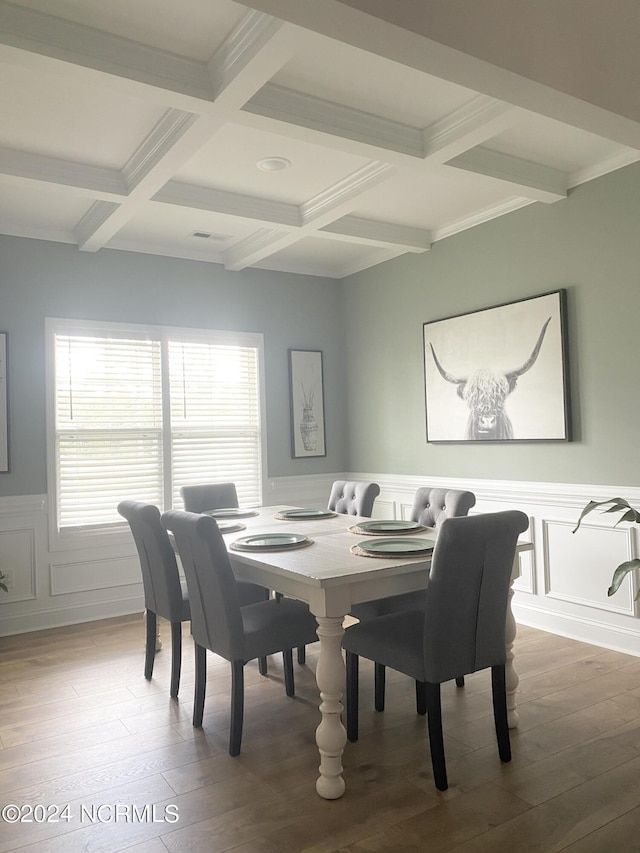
(308, 424)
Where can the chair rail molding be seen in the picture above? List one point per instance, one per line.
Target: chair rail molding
(562, 587)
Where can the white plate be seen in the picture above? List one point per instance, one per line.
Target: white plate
(231, 512)
(397, 547)
(270, 541)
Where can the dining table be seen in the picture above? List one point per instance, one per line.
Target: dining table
(329, 571)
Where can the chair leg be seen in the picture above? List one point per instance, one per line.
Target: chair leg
(498, 689)
(352, 696)
(460, 681)
(176, 658)
(379, 681)
(436, 742)
(237, 706)
(302, 655)
(262, 666)
(287, 660)
(421, 698)
(201, 685)
(150, 644)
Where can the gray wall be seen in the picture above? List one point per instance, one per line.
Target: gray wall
(589, 244)
(39, 279)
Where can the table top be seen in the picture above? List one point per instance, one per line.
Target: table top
(326, 573)
(328, 560)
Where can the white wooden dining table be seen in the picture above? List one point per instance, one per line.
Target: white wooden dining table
(331, 579)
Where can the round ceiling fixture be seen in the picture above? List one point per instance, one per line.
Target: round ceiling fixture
(273, 164)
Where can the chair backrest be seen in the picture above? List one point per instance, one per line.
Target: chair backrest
(466, 599)
(353, 498)
(216, 620)
(160, 576)
(209, 496)
(432, 506)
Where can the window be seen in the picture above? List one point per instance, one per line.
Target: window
(137, 412)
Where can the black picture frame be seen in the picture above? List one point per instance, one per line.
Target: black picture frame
(499, 374)
(306, 395)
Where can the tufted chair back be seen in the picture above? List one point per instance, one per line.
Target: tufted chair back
(352, 498)
(209, 496)
(432, 506)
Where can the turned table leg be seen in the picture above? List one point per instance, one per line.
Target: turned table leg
(511, 676)
(330, 734)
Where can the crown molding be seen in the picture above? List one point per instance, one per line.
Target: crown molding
(95, 181)
(123, 64)
(171, 127)
(296, 108)
(231, 204)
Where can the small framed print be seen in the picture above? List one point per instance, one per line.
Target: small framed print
(306, 392)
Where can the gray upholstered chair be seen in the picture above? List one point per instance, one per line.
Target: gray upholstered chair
(430, 508)
(208, 496)
(353, 498)
(460, 629)
(220, 624)
(164, 594)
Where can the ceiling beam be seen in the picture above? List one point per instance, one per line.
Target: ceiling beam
(240, 66)
(332, 204)
(355, 229)
(97, 182)
(246, 207)
(290, 217)
(338, 21)
(36, 39)
(531, 180)
(356, 132)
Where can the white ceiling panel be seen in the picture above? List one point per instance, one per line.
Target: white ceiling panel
(41, 210)
(162, 228)
(229, 162)
(321, 257)
(375, 85)
(74, 122)
(132, 125)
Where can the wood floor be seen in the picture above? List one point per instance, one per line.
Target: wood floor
(80, 727)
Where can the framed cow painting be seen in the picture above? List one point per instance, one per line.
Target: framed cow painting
(499, 374)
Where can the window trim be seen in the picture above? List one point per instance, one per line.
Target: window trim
(118, 534)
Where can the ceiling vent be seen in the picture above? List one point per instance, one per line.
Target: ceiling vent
(207, 235)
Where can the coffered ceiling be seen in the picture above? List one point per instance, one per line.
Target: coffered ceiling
(139, 125)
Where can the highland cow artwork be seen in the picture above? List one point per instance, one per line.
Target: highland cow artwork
(499, 374)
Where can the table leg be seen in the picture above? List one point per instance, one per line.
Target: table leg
(511, 676)
(330, 734)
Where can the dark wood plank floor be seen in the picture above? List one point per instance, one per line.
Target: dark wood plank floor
(80, 726)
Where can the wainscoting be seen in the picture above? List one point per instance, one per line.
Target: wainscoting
(562, 587)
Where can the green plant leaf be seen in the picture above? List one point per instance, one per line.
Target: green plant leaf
(617, 505)
(620, 574)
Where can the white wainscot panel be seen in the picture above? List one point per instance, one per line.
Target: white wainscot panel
(578, 567)
(384, 508)
(18, 563)
(67, 578)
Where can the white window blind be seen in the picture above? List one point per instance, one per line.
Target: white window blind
(139, 416)
(215, 417)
